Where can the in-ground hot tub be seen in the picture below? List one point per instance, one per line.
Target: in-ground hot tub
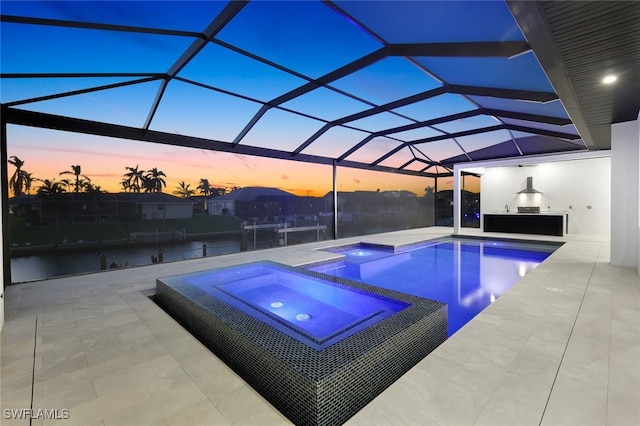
(317, 347)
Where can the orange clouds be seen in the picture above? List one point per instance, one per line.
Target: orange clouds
(104, 160)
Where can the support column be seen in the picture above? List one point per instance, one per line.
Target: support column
(625, 190)
(435, 202)
(335, 200)
(5, 247)
(456, 200)
(4, 203)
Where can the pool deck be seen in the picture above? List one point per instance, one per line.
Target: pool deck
(562, 347)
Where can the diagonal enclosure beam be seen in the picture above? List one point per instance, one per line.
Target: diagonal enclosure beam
(388, 154)
(350, 68)
(504, 49)
(231, 10)
(543, 132)
(94, 26)
(407, 163)
(525, 129)
(356, 147)
(432, 122)
(314, 84)
(558, 121)
(523, 95)
(81, 74)
(392, 105)
(251, 123)
(80, 92)
(313, 137)
(458, 134)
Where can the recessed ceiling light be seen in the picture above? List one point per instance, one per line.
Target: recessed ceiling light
(609, 79)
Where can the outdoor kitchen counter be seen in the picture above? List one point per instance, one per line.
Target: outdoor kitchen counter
(543, 223)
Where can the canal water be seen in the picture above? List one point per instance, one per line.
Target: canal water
(61, 263)
(39, 267)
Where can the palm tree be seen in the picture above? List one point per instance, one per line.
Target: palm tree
(91, 188)
(95, 196)
(51, 187)
(134, 179)
(147, 184)
(80, 179)
(20, 182)
(28, 180)
(183, 190)
(216, 192)
(154, 181)
(65, 184)
(52, 192)
(428, 192)
(204, 187)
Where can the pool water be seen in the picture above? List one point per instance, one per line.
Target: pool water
(306, 307)
(467, 274)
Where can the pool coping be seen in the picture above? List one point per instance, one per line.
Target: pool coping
(309, 386)
(401, 246)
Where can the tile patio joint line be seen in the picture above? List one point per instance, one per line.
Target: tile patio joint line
(564, 352)
(33, 368)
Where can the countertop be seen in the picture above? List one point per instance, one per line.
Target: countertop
(511, 212)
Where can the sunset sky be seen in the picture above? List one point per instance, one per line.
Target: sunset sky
(47, 153)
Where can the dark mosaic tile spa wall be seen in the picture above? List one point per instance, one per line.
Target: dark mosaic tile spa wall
(308, 386)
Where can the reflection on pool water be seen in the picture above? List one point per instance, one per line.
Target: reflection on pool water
(467, 274)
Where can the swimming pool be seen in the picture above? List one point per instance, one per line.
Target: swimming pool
(318, 347)
(466, 273)
(306, 307)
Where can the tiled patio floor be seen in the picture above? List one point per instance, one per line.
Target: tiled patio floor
(562, 347)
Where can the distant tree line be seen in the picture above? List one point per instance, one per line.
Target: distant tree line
(204, 188)
(134, 180)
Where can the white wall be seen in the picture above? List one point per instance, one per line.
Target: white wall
(570, 186)
(625, 189)
(167, 211)
(218, 207)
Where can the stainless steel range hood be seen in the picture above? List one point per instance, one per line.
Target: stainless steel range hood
(529, 189)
